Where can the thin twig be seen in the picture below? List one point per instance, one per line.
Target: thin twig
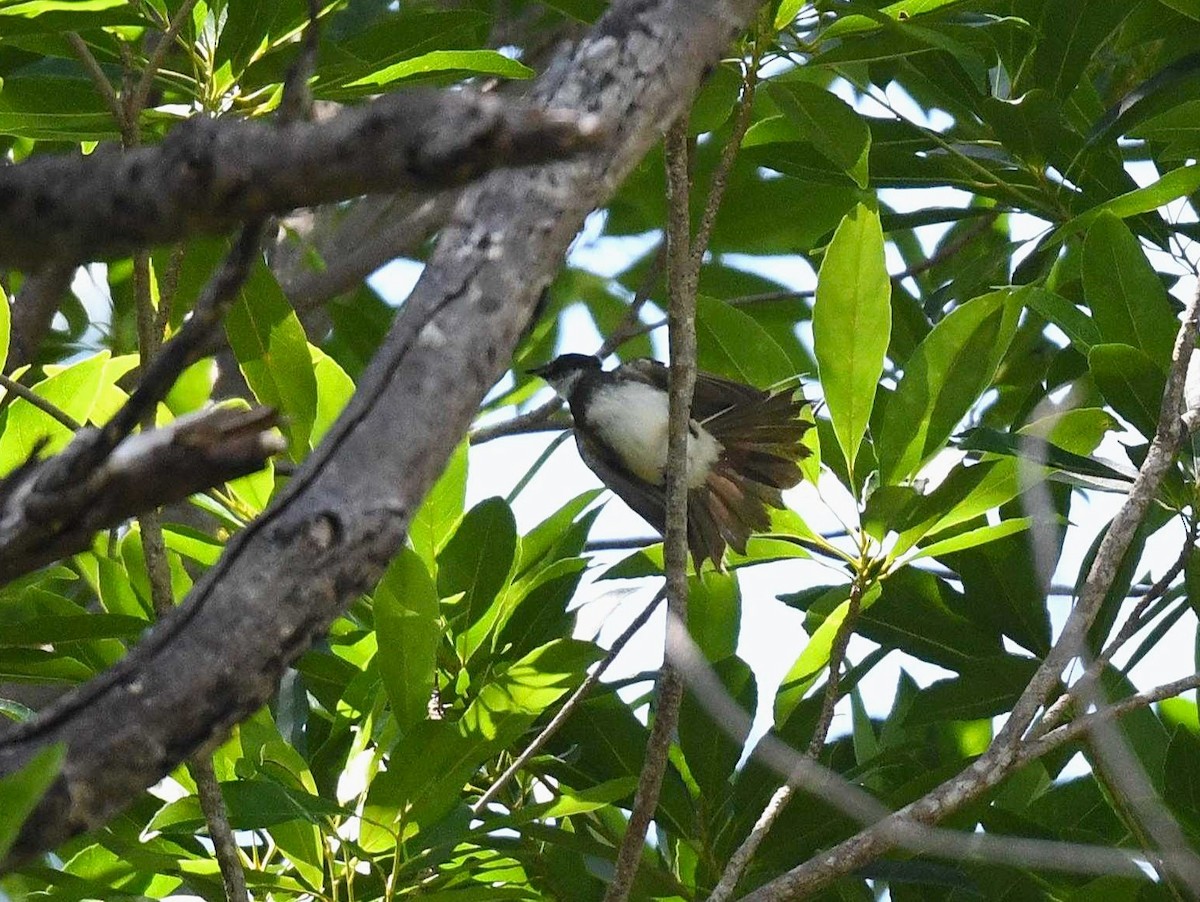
(720, 178)
(1069, 732)
(141, 92)
(1056, 713)
(742, 856)
(573, 701)
(212, 804)
(22, 391)
(631, 324)
(669, 687)
(107, 92)
(536, 420)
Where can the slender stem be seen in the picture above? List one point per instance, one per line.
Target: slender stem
(141, 93)
(741, 122)
(99, 79)
(669, 688)
(13, 387)
(1056, 713)
(212, 804)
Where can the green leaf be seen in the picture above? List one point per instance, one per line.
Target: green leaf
(540, 544)
(406, 621)
(788, 10)
(477, 559)
(272, 351)
(987, 690)
(61, 629)
(714, 613)
(710, 747)
(973, 537)
(1175, 184)
(716, 99)
(334, 389)
(5, 329)
(82, 390)
(1080, 328)
(1131, 382)
(21, 791)
(476, 62)
(1068, 36)
(1035, 450)
(851, 325)
(829, 124)
(966, 493)
(253, 804)
(813, 660)
(439, 513)
(945, 376)
(921, 614)
(1128, 300)
(1004, 592)
(730, 343)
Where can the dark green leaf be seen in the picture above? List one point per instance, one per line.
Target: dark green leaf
(272, 351)
(406, 620)
(730, 343)
(1131, 382)
(21, 791)
(988, 689)
(708, 747)
(1127, 298)
(476, 561)
(828, 124)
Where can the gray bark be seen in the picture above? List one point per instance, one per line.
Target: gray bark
(211, 174)
(329, 536)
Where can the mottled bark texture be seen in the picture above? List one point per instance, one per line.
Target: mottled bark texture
(329, 536)
(211, 174)
(145, 471)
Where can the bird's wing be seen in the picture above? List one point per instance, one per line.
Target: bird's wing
(713, 393)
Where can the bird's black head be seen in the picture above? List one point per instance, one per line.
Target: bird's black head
(563, 372)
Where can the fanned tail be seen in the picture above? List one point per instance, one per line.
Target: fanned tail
(761, 440)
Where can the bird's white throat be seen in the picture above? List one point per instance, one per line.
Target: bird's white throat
(631, 418)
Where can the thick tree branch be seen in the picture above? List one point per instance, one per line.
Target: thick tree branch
(209, 175)
(330, 534)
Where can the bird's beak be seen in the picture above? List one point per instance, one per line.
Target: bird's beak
(539, 371)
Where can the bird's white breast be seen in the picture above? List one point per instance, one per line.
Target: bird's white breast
(632, 418)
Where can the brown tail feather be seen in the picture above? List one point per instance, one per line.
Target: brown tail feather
(761, 441)
(704, 534)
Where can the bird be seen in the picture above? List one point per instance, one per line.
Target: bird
(744, 446)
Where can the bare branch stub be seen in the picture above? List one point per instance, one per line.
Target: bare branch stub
(192, 453)
(210, 175)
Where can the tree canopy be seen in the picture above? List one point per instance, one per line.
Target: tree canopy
(253, 639)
